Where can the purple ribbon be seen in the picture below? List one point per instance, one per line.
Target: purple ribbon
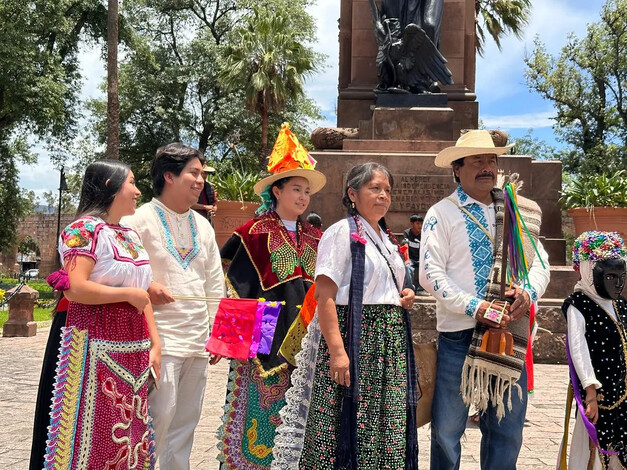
(590, 429)
(254, 345)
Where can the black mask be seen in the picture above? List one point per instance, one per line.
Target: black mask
(609, 278)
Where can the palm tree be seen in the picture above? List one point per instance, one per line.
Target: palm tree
(113, 100)
(499, 17)
(269, 63)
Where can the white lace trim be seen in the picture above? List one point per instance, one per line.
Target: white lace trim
(290, 435)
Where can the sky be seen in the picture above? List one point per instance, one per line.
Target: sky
(505, 102)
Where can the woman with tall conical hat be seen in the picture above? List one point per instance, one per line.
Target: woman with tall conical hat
(273, 257)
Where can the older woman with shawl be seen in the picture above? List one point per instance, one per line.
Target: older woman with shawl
(356, 369)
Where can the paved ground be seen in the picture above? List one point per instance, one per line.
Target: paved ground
(20, 363)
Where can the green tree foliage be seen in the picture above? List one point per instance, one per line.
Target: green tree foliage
(497, 18)
(269, 61)
(532, 145)
(170, 89)
(39, 84)
(28, 245)
(10, 207)
(69, 198)
(587, 84)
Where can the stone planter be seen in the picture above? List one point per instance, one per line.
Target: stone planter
(608, 219)
(229, 216)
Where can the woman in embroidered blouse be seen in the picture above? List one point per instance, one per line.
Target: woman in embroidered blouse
(99, 415)
(272, 256)
(365, 350)
(596, 350)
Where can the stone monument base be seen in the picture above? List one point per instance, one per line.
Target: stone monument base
(411, 100)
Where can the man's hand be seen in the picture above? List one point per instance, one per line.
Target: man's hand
(211, 209)
(214, 359)
(521, 304)
(497, 305)
(159, 294)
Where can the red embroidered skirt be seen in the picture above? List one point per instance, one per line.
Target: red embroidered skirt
(99, 417)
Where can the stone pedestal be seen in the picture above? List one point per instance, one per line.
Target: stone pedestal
(21, 306)
(424, 124)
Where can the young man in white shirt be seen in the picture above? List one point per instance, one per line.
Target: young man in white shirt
(458, 258)
(185, 261)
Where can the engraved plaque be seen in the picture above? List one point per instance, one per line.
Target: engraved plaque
(417, 193)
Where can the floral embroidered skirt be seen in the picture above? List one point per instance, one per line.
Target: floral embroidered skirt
(99, 417)
(381, 417)
(251, 415)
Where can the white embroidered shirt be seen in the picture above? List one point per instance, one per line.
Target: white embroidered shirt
(334, 261)
(185, 258)
(456, 258)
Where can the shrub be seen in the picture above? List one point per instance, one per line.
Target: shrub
(595, 191)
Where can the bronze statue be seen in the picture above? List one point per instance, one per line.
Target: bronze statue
(408, 37)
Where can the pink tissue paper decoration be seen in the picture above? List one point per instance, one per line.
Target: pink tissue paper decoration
(232, 332)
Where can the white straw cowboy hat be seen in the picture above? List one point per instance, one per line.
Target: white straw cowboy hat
(208, 169)
(476, 142)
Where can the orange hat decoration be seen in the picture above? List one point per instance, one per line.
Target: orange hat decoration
(289, 159)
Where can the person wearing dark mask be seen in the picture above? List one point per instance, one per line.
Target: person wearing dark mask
(596, 347)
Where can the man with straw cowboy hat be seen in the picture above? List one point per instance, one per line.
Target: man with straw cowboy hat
(460, 257)
(185, 262)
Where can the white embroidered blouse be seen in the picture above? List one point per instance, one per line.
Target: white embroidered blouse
(118, 252)
(334, 261)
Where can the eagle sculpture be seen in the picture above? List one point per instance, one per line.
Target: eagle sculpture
(407, 59)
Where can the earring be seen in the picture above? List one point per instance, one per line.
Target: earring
(352, 205)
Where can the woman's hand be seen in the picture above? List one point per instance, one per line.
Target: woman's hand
(154, 360)
(138, 298)
(407, 298)
(592, 410)
(338, 365)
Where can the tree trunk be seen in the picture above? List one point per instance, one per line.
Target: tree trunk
(263, 153)
(113, 102)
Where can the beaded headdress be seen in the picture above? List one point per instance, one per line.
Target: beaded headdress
(596, 246)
